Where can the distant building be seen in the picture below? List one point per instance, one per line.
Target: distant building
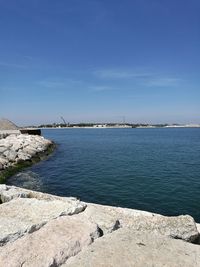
(99, 125)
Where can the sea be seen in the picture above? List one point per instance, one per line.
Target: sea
(156, 170)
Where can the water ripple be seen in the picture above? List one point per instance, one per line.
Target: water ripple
(150, 169)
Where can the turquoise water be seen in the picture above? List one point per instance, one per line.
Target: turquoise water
(156, 170)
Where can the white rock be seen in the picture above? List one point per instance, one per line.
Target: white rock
(30, 151)
(21, 147)
(10, 155)
(23, 156)
(40, 148)
(16, 146)
(3, 149)
(111, 218)
(127, 248)
(9, 194)
(4, 144)
(24, 215)
(15, 192)
(198, 227)
(3, 188)
(52, 245)
(3, 160)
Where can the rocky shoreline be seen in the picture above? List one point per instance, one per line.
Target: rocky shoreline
(20, 150)
(38, 229)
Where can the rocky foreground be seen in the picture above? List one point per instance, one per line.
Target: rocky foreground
(42, 230)
(16, 149)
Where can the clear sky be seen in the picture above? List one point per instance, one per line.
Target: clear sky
(100, 60)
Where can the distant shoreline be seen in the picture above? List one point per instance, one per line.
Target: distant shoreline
(115, 127)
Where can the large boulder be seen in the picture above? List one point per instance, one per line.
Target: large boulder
(7, 193)
(24, 215)
(22, 156)
(111, 218)
(198, 227)
(127, 247)
(3, 149)
(10, 155)
(52, 245)
(17, 145)
(3, 160)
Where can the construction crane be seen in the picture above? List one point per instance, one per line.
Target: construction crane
(63, 120)
(124, 120)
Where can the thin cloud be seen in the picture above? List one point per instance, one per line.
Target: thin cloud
(60, 83)
(100, 88)
(162, 82)
(117, 74)
(147, 79)
(51, 84)
(29, 58)
(12, 65)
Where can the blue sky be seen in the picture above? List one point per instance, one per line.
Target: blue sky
(100, 60)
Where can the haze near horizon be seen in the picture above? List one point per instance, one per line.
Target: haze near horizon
(98, 61)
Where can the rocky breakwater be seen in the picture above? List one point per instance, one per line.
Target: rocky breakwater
(19, 150)
(39, 229)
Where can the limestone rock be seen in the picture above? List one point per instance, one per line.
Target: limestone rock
(178, 227)
(10, 155)
(3, 160)
(3, 149)
(30, 151)
(12, 192)
(5, 143)
(112, 218)
(52, 245)
(3, 134)
(198, 227)
(16, 146)
(3, 187)
(106, 217)
(24, 215)
(127, 248)
(23, 156)
(8, 195)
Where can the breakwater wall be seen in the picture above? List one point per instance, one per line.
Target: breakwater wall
(18, 150)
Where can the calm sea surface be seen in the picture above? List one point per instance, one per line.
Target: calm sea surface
(156, 170)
